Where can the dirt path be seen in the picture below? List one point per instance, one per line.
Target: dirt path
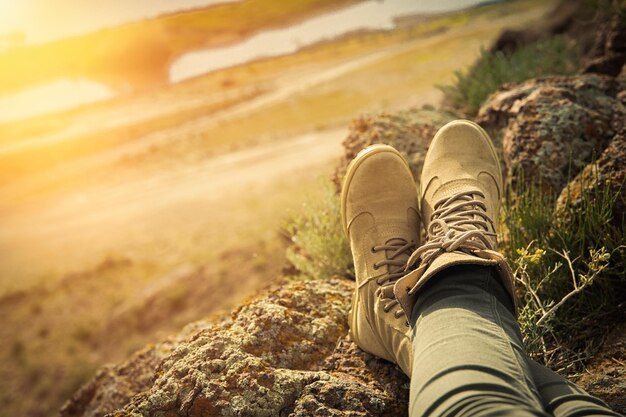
(170, 208)
(211, 201)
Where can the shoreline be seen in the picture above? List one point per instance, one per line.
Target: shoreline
(69, 52)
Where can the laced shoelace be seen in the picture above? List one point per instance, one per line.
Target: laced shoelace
(397, 251)
(458, 223)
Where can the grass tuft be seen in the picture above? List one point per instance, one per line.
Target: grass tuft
(569, 269)
(319, 246)
(554, 56)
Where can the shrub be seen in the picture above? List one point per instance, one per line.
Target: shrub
(554, 56)
(319, 246)
(569, 268)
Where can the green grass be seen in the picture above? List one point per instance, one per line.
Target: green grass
(569, 266)
(473, 86)
(319, 246)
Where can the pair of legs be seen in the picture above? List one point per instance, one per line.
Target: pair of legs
(444, 309)
(469, 359)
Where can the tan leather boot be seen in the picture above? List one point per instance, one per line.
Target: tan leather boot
(380, 215)
(460, 199)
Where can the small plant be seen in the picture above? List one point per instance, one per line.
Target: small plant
(319, 246)
(472, 87)
(538, 314)
(569, 270)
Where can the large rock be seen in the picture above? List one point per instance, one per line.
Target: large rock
(552, 127)
(608, 52)
(284, 354)
(607, 174)
(409, 131)
(601, 47)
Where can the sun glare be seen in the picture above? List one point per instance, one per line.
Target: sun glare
(54, 96)
(12, 15)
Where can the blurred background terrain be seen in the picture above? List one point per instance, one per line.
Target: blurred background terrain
(151, 153)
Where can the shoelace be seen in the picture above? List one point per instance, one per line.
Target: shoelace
(458, 223)
(396, 252)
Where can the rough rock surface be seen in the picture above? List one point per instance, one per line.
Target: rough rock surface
(602, 47)
(114, 386)
(606, 374)
(410, 131)
(286, 353)
(608, 52)
(608, 172)
(552, 127)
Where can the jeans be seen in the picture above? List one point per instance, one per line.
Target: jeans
(469, 359)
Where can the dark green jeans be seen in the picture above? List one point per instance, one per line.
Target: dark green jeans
(469, 359)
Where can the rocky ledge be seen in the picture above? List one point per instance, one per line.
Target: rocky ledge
(286, 353)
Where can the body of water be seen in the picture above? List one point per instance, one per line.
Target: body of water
(372, 15)
(368, 15)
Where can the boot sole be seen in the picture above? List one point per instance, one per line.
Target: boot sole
(352, 168)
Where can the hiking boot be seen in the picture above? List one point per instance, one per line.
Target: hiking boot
(380, 215)
(460, 199)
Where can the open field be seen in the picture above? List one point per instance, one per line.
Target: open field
(123, 220)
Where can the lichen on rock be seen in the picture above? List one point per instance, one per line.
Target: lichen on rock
(606, 174)
(552, 127)
(409, 131)
(286, 353)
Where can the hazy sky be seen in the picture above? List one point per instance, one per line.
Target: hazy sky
(45, 20)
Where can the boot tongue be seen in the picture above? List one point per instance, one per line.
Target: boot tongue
(454, 187)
